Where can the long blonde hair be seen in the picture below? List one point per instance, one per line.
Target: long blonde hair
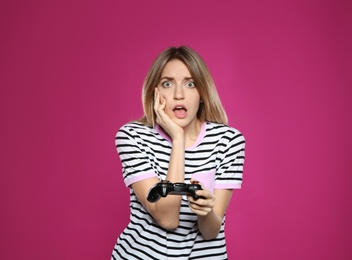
(210, 108)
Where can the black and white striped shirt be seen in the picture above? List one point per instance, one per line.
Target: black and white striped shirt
(216, 159)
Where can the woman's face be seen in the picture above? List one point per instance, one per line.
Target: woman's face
(182, 98)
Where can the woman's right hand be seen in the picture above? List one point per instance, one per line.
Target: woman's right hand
(173, 129)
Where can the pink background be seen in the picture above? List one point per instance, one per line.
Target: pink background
(71, 75)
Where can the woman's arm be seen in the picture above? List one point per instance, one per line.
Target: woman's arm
(210, 211)
(165, 211)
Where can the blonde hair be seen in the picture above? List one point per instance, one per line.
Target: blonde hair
(210, 108)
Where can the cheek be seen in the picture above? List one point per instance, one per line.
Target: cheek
(165, 95)
(196, 107)
(196, 100)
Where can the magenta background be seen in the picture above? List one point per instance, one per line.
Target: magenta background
(71, 75)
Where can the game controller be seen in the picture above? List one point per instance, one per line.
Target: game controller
(164, 188)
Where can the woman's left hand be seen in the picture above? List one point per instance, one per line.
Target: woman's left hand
(202, 206)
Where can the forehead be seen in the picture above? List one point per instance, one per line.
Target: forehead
(175, 68)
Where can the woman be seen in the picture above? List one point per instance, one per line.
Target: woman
(182, 137)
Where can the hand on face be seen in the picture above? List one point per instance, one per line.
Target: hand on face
(163, 119)
(202, 206)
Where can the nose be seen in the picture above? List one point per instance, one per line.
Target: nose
(178, 94)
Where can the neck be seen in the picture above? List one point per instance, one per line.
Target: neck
(192, 132)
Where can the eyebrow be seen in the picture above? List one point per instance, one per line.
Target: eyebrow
(171, 78)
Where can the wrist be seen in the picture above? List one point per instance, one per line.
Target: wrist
(178, 140)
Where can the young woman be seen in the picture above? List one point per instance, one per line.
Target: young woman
(183, 136)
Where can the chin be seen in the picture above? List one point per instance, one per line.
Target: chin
(183, 123)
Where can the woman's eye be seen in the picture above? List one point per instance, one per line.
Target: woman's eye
(190, 84)
(166, 84)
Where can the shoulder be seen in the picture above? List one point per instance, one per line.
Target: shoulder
(225, 136)
(136, 133)
(133, 129)
(223, 131)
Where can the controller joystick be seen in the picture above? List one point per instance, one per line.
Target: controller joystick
(164, 188)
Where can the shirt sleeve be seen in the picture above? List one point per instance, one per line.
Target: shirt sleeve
(136, 165)
(230, 169)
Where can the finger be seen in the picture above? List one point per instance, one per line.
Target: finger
(195, 181)
(204, 193)
(157, 104)
(156, 98)
(200, 210)
(163, 103)
(206, 199)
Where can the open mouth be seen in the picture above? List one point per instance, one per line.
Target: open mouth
(180, 111)
(180, 108)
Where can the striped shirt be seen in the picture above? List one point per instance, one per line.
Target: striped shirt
(216, 159)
